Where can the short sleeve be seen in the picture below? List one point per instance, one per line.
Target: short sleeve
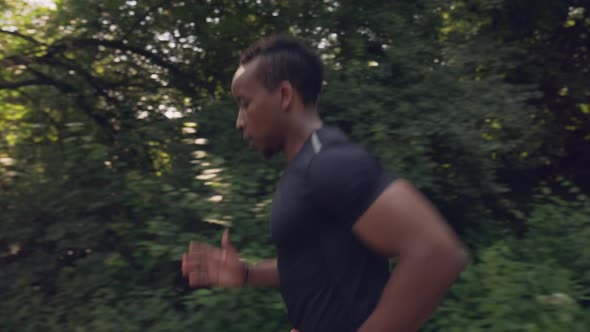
(344, 181)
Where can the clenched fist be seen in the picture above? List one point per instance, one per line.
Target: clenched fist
(209, 266)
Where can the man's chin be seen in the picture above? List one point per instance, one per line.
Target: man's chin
(266, 153)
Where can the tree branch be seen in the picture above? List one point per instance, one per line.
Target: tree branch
(95, 82)
(116, 44)
(63, 87)
(142, 17)
(20, 35)
(15, 60)
(15, 85)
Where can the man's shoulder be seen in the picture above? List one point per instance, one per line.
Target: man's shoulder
(328, 151)
(323, 139)
(335, 150)
(343, 177)
(330, 136)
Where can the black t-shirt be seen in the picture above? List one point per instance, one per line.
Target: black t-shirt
(328, 279)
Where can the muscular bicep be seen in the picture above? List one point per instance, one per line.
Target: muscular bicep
(402, 219)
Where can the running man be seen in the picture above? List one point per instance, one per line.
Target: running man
(337, 216)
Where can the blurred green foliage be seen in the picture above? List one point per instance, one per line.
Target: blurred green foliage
(118, 147)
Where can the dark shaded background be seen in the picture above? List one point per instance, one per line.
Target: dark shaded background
(118, 147)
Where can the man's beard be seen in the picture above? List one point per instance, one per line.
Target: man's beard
(268, 153)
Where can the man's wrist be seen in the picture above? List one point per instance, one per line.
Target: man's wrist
(262, 274)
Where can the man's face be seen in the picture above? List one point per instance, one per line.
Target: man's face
(259, 115)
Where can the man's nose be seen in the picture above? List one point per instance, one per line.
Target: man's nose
(240, 120)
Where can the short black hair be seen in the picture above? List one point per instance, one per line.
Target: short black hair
(284, 58)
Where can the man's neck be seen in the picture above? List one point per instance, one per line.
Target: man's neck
(306, 124)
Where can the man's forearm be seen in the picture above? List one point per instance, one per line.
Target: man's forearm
(415, 288)
(263, 274)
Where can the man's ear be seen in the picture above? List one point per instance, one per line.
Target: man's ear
(287, 95)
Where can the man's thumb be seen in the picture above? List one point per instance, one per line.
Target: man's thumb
(225, 244)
